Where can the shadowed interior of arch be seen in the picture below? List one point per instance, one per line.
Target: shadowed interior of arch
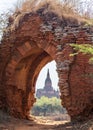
(26, 73)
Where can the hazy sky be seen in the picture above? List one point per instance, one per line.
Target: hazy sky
(7, 4)
(53, 75)
(10, 4)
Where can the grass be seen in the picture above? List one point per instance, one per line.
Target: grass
(66, 12)
(61, 9)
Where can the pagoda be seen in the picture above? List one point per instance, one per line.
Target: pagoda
(47, 90)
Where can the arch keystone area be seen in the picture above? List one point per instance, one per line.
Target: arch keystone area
(31, 41)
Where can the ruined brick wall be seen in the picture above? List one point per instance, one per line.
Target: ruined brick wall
(75, 73)
(4, 55)
(31, 41)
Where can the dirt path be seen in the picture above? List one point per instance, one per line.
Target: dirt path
(35, 124)
(8, 123)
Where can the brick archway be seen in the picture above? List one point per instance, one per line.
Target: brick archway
(29, 44)
(21, 73)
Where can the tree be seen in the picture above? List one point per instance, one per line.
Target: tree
(4, 17)
(47, 106)
(83, 48)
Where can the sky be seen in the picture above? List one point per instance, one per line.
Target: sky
(6, 5)
(53, 75)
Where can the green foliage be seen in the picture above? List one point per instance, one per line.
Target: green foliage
(83, 48)
(47, 106)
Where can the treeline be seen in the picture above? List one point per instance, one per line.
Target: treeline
(47, 106)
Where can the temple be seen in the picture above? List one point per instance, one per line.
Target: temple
(48, 90)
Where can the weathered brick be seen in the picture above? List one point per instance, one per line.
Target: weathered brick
(19, 68)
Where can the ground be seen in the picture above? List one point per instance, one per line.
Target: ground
(38, 123)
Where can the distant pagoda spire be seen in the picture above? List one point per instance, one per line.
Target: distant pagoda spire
(48, 82)
(48, 77)
(48, 74)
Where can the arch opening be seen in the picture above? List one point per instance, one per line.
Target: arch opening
(47, 93)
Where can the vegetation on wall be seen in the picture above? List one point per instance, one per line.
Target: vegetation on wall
(60, 6)
(77, 9)
(83, 48)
